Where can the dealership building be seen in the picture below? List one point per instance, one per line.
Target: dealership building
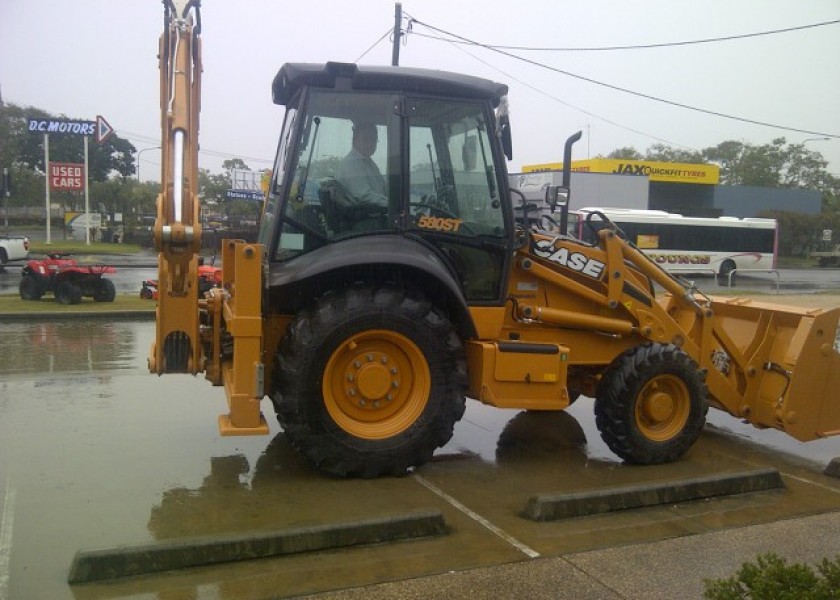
(687, 189)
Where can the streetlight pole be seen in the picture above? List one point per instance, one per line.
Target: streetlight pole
(136, 170)
(816, 139)
(137, 166)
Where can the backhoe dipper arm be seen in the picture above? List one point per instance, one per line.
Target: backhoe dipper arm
(177, 231)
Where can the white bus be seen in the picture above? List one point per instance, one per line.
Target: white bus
(688, 244)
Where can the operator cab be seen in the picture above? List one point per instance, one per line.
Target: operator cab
(410, 155)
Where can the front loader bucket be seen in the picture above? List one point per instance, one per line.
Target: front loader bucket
(812, 408)
(782, 362)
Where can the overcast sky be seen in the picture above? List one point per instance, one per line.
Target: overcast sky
(99, 57)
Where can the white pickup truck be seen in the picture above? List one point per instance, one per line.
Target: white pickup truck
(13, 248)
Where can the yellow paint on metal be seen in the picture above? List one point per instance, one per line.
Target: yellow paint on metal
(243, 373)
(376, 384)
(662, 408)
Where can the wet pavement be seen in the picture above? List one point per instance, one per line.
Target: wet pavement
(97, 453)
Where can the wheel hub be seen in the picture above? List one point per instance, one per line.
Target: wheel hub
(371, 379)
(658, 407)
(663, 408)
(376, 384)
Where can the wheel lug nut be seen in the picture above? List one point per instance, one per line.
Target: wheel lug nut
(384, 360)
(350, 378)
(395, 384)
(352, 392)
(369, 357)
(357, 364)
(393, 370)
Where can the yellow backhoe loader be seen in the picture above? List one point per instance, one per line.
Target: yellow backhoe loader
(390, 281)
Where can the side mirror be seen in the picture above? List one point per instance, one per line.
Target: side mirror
(556, 195)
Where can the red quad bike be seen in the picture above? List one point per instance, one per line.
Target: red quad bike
(66, 279)
(208, 277)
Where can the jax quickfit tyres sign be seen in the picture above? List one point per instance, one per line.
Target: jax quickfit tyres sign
(655, 171)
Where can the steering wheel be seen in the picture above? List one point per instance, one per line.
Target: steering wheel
(433, 206)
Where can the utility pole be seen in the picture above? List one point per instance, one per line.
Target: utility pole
(395, 52)
(7, 191)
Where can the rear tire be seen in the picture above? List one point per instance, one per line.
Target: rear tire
(67, 292)
(31, 288)
(651, 404)
(725, 269)
(370, 381)
(105, 291)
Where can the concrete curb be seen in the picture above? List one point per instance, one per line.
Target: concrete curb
(170, 555)
(549, 507)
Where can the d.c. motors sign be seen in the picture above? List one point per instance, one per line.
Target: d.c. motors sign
(66, 176)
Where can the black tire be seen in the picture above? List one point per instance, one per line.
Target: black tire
(370, 382)
(651, 404)
(105, 291)
(31, 287)
(67, 292)
(725, 269)
(146, 293)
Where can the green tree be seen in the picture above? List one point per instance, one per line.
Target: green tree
(663, 153)
(234, 163)
(212, 187)
(626, 153)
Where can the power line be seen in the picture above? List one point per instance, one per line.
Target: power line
(572, 106)
(642, 46)
(206, 152)
(628, 91)
(382, 37)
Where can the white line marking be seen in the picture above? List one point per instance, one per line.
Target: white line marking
(530, 552)
(816, 483)
(6, 525)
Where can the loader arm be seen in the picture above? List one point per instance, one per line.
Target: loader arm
(177, 232)
(220, 333)
(775, 366)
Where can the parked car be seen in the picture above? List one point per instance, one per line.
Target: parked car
(13, 248)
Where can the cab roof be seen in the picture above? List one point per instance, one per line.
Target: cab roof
(348, 76)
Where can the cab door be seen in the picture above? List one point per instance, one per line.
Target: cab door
(455, 192)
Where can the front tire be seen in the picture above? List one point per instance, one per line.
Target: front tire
(105, 291)
(651, 404)
(31, 287)
(370, 381)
